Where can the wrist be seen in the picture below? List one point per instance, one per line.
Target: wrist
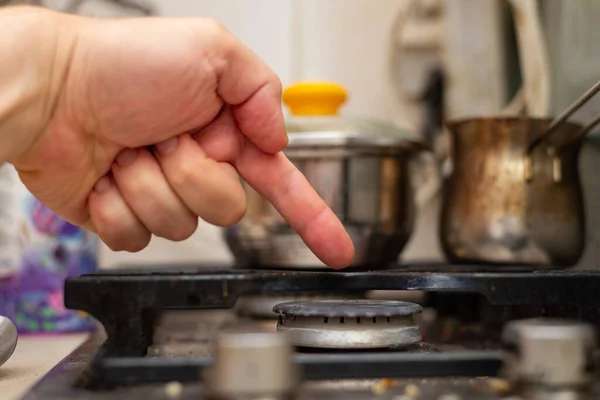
(36, 48)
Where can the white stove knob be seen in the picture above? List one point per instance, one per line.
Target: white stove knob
(8, 339)
(251, 364)
(549, 353)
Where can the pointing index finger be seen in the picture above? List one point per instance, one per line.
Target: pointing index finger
(279, 181)
(254, 92)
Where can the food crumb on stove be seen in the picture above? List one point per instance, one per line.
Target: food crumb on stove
(173, 390)
(383, 385)
(401, 397)
(498, 385)
(450, 396)
(412, 391)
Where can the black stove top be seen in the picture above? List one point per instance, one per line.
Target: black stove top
(126, 302)
(123, 361)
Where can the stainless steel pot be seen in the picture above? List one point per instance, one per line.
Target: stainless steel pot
(360, 168)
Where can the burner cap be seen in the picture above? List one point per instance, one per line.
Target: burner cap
(350, 324)
(348, 308)
(262, 305)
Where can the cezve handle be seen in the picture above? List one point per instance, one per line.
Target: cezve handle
(580, 102)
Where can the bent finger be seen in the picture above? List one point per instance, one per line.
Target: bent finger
(113, 220)
(147, 192)
(210, 189)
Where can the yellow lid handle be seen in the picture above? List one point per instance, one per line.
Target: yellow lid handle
(314, 98)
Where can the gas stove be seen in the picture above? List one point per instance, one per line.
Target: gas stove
(444, 332)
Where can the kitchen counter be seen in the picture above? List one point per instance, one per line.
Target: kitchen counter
(34, 357)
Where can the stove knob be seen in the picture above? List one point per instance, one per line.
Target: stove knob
(8, 339)
(550, 353)
(251, 364)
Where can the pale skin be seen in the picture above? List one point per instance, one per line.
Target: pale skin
(134, 128)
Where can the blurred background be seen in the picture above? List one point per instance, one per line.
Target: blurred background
(406, 62)
(389, 57)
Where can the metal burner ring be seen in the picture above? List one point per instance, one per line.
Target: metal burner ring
(262, 305)
(359, 324)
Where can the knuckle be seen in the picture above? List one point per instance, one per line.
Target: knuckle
(276, 84)
(106, 216)
(184, 231)
(117, 231)
(114, 246)
(214, 25)
(128, 243)
(220, 35)
(233, 213)
(135, 245)
(184, 174)
(143, 182)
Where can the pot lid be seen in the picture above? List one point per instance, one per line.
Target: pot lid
(315, 121)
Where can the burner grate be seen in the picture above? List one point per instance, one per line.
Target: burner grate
(114, 371)
(127, 303)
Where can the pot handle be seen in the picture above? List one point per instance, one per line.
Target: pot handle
(554, 150)
(564, 116)
(534, 95)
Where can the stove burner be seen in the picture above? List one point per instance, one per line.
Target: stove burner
(261, 306)
(350, 324)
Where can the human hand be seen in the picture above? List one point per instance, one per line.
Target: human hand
(144, 126)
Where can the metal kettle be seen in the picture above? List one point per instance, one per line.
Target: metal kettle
(515, 194)
(502, 205)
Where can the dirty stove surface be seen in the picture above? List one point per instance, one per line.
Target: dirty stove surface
(153, 349)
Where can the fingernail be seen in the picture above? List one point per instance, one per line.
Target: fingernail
(126, 157)
(167, 146)
(102, 185)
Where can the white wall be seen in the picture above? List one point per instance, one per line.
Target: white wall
(263, 25)
(347, 41)
(341, 40)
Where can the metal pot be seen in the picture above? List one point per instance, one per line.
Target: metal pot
(360, 168)
(512, 197)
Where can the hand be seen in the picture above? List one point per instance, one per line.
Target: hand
(150, 122)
